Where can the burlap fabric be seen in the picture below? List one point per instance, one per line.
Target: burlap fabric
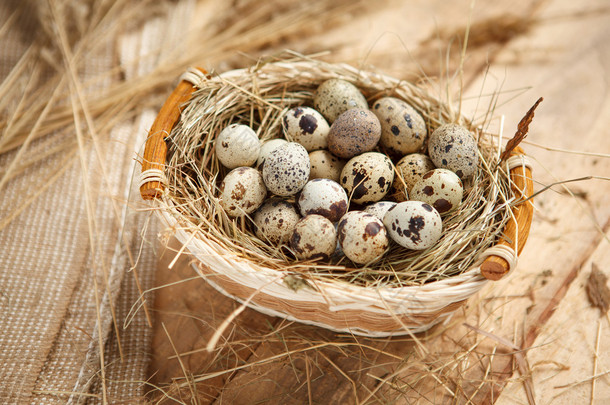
(62, 270)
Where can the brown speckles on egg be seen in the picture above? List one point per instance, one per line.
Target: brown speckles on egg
(323, 197)
(403, 130)
(413, 224)
(416, 224)
(361, 174)
(238, 192)
(442, 205)
(237, 145)
(453, 147)
(307, 127)
(286, 169)
(409, 170)
(354, 132)
(359, 186)
(363, 237)
(242, 191)
(266, 148)
(440, 188)
(275, 220)
(308, 124)
(428, 190)
(371, 229)
(335, 96)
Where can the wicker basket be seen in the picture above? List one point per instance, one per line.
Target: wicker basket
(339, 306)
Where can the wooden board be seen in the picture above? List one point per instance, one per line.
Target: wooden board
(558, 50)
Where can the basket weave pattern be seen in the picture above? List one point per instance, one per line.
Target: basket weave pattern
(337, 305)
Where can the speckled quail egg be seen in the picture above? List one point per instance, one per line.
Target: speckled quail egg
(306, 126)
(314, 236)
(441, 188)
(367, 177)
(403, 130)
(266, 148)
(286, 169)
(275, 220)
(336, 96)
(362, 237)
(453, 147)
(323, 197)
(413, 224)
(354, 132)
(237, 145)
(242, 191)
(325, 165)
(379, 209)
(409, 170)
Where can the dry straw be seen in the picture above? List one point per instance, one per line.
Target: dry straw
(406, 291)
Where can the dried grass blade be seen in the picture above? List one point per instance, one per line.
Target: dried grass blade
(520, 359)
(521, 133)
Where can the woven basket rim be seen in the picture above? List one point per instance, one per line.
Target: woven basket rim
(340, 296)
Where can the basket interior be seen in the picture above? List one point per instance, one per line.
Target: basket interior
(259, 97)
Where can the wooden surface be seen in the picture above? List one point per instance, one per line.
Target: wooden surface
(537, 320)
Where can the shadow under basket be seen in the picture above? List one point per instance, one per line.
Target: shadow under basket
(179, 155)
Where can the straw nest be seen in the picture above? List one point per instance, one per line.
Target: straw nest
(241, 265)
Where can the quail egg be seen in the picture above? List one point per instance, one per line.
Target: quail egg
(336, 96)
(266, 148)
(275, 220)
(453, 147)
(325, 165)
(323, 197)
(306, 126)
(409, 170)
(362, 237)
(354, 132)
(286, 169)
(242, 191)
(237, 145)
(379, 209)
(314, 236)
(413, 224)
(367, 177)
(403, 130)
(441, 188)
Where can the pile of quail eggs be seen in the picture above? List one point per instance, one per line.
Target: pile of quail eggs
(325, 187)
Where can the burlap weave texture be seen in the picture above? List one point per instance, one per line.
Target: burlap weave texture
(64, 262)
